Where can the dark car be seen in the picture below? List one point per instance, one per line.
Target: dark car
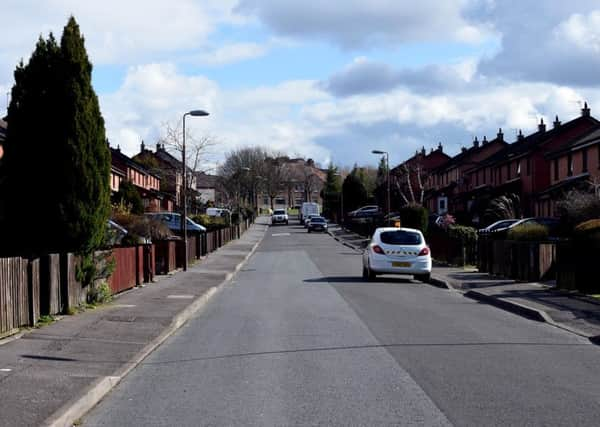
(318, 223)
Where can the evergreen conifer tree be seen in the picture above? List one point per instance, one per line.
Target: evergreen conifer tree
(57, 159)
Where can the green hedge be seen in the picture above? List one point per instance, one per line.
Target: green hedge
(211, 223)
(528, 233)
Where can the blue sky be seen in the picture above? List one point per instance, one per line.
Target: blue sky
(327, 80)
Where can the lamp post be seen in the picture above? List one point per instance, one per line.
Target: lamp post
(341, 199)
(387, 162)
(194, 113)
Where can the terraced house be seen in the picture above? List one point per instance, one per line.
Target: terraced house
(538, 168)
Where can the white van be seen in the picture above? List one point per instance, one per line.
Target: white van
(308, 208)
(218, 212)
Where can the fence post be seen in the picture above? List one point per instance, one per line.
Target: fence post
(33, 290)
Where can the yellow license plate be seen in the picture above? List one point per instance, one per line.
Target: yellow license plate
(400, 264)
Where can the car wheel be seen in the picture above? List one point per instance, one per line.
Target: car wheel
(365, 273)
(309, 230)
(423, 277)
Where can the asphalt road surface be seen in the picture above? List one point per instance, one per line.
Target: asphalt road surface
(299, 339)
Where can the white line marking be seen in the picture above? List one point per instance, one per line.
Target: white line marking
(181, 296)
(5, 370)
(280, 234)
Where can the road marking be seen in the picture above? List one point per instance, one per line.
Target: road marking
(5, 370)
(280, 234)
(180, 296)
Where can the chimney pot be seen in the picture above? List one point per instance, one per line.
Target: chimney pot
(520, 136)
(440, 147)
(585, 112)
(476, 143)
(556, 122)
(500, 135)
(542, 126)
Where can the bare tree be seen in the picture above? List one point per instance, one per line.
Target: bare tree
(403, 180)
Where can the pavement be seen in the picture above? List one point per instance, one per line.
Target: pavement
(543, 302)
(55, 374)
(299, 338)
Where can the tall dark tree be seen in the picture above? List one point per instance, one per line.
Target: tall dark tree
(331, 192)
(355, 194)
(58, 161)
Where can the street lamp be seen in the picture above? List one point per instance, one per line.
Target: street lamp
(194, 113)
(387, 161)
(341, 199)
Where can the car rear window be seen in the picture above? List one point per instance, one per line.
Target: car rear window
(400, 237)
(317, 219)
(279, 212)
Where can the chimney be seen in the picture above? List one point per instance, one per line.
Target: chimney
(556, 123)
(423, 152)
(485, 141)
(440, 148)
(585, 111)
(542, 125)
(476, 143)
(520, 136)
(463, 149)
(500, 135)
(142, 146)
(118, 148)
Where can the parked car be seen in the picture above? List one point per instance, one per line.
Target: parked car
(397, 251)
(279, 216)
(114, 233)
(307, 209)
(308, 218)
(498, 225)
(317, 223)
(553, 225)
(365, 211)
(173, 221)
(218, 212)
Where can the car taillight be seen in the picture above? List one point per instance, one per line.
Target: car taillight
(377, 249)
(424, 251)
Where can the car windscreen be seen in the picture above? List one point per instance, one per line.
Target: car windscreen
(317, 219)
(400, 237)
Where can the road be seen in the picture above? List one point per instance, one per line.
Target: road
(297, 338)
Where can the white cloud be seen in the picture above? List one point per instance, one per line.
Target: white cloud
(356, 23)
(581, 32)
(232, 53)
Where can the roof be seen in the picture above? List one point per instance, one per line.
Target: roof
(458, 160)
(566, 183)
(526, 144)
(590, 138)
(116, 154)
(204, 180)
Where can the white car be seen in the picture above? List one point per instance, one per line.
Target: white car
(397, 251)
(279, 216)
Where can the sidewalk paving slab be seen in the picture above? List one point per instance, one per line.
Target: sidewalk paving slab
(53, 375)
(543, 302)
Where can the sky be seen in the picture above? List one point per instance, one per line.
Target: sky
(330, 80)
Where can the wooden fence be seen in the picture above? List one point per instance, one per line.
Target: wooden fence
(48, 285)
(525, 261)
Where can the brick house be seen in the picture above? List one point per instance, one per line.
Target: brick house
(416, 171)
(575, 165)
(146, 183)
(449, 182)
(303, 183)
(169, 169)
(208, 188)
(2, 138)
(521, 168)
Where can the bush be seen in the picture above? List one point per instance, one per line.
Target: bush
(588, 230)
(140, 227)
(211, 223)
(414, 216)
(578, 207)
(462, 233)
(529, 233)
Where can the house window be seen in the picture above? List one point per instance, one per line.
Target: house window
(584, 162)
(508, 171)
(556, 169)
(528, 166)
(519, 168)
(442, 205)
(570, 164)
